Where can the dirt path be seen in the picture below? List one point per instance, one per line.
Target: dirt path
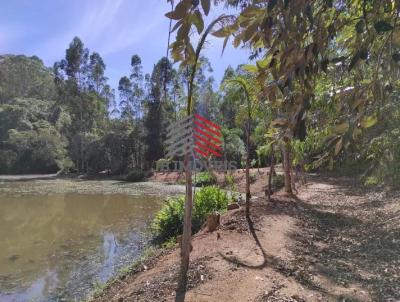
(332, 243)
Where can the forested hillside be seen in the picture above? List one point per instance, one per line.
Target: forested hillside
(334, 106)
(68, 118)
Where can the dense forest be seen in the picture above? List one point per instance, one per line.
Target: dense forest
(67, 118)
(332, 104)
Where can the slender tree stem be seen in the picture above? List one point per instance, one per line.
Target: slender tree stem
(286, 163)
(271, 171)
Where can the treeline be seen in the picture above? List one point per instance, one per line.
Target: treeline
(66, 118)
(343, 115)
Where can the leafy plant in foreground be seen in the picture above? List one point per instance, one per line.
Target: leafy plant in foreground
(168, 222)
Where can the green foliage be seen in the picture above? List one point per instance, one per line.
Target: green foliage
(383, 154)
(230, 182)
(135, 176)
(233, 144)
(156, 117)
(371, 181)
(25, 77)
(41, 150)
(335, 83)
(203, 179)
(30, 137)
(208, 200)
(334, 95)
(169, 220)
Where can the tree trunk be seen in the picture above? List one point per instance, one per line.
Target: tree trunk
(248, 195)
(271, 171)
(292, 179)
(81, 134)
(82, 155)
(286, 167)
(303, 177)
(187, 233)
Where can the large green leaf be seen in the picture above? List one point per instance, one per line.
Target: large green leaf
(221, 33)
(250, 68)
(225, 43)
(197, 20)
(262, 64)
(205, 4)
(179, 12)
(172, 15)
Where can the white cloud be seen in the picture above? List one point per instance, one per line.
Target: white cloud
(108, 27)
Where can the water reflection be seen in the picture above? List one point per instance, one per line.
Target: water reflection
(58, 246)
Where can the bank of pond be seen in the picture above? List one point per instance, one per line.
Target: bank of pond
(61, 239)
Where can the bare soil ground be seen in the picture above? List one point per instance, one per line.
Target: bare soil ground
(259, 178)
(333, 242)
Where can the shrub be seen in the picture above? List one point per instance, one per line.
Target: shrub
(204, 179)
(371, 181)
(168, 222)
(135, 175)
(208, 200)
(230, 182)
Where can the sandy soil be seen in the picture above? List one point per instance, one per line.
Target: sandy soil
(333, 242)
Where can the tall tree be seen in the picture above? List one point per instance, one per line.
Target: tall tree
(97, 68)
(182, 50)
(156, 117)
(81, 82)
(137, 85)
(249, 94)
(125, 95)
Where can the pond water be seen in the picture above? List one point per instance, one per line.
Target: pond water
(58, 239)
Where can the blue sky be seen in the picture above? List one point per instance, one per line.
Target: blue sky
(116, 29)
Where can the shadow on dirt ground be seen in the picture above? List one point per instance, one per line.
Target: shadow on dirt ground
(347, 238)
